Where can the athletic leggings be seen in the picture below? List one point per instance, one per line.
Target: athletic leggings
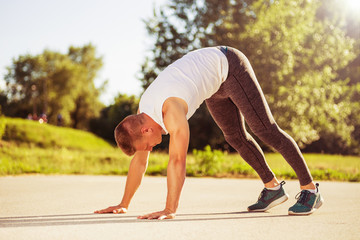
(241, 99)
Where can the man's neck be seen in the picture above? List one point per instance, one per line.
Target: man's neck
(152, 123)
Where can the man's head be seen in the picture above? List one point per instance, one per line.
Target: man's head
(137, 133)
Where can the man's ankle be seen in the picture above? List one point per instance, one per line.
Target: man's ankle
(310, 186)
(272, 184)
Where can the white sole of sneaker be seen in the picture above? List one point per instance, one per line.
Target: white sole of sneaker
(273, 204)
(316, 207)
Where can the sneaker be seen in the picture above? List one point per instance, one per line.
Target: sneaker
(269, 199)
(307, 202)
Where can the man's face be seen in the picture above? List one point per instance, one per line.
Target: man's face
(150, 138)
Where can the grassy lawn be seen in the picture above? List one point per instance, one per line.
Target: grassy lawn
(32, 134)
(28, 147)
(16, 160)
(322, 166)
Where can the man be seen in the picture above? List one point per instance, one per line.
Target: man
(224, 78)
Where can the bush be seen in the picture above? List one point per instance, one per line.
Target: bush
(2, 126)
(208, 161)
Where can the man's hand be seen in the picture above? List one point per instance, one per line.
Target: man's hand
(165, 214)
(113, 209)
(136, 172)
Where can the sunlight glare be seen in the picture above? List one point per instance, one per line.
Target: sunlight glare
(353, 5)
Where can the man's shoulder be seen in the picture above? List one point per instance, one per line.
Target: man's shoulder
(175, 104)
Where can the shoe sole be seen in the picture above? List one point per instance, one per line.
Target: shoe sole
(316, 207)
(273, 204)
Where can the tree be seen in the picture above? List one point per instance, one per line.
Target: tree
(302, 57)
(110, 116)
(296, 56)
(349, 21)
(123, 106)
(85, 106)
(54, 83)
(204, 131)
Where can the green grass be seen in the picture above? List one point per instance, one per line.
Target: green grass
(34, 134)
(23, 160)
(322, 166)
(15, 160)
(32, 148)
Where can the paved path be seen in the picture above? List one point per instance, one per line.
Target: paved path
(60, 207)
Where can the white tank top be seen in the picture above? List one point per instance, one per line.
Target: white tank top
(193, 78)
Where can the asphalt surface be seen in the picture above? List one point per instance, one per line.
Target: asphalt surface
(60, 207)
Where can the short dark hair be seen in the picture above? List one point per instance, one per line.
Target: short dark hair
(127, 132)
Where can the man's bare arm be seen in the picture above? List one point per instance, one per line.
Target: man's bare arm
(136, 172)
(176, 170)
(177, 125)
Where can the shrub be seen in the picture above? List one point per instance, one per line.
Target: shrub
(208, 161)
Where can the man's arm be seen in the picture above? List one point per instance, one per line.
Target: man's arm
(136, 172)
(175, 111)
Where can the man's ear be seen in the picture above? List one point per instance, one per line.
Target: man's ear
(146, 130)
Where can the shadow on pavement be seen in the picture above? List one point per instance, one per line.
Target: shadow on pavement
(85, 219)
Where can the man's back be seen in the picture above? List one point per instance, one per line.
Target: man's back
(193, 78)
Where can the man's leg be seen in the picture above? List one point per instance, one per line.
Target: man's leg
(231, 122)
(244, 90)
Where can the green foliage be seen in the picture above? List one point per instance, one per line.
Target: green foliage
(124, 105)
(157, 165)
(204, 131)
(307, 64)
(87, 105)
(308, 93)
(32, 133)
(208, 161)
(23, 160)
(54, 83)
(110, 116)
(15, 159)
(30, 147)
(2, 125)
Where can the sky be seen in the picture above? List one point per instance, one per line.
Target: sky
(114, 27)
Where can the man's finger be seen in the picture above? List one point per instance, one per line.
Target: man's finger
(119, 210)
(147, 216)
(99, 211)
(170, 216)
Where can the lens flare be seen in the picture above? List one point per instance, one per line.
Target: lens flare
(353, 5)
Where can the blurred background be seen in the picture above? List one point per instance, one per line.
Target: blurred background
(84, 64)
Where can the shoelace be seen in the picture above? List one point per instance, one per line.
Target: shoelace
(263, 193)
(303, 196)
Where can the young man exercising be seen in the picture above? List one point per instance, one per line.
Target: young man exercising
(225, 80)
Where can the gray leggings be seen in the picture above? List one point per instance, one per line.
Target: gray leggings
(241, 99)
